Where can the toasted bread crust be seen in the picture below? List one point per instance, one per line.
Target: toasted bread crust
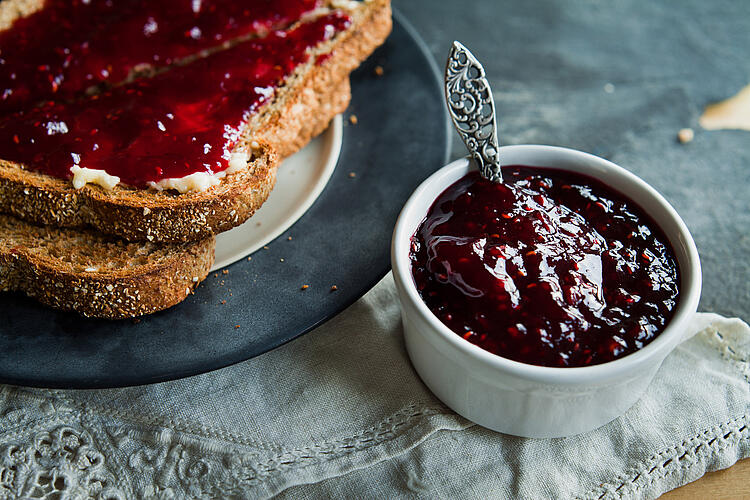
(313, 96)
(139, 278)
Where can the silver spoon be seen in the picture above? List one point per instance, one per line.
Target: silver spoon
(472, 109)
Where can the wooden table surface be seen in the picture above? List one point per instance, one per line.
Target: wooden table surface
(728, 484)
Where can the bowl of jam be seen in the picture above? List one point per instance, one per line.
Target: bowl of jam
(542, 306)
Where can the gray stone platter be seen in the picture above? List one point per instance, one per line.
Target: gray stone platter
(400, 138)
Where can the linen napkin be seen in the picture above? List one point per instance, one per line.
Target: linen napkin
(341, 413)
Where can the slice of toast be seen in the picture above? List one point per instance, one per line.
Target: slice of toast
(107, 277)
(303, 107)
(73, 269)
(98, 276)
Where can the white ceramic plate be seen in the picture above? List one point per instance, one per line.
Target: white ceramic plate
(299, 181)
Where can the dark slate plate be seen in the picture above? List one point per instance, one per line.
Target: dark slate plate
(401, 137)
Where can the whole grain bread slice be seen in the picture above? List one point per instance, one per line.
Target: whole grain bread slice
(308, 100)
(95, 275)
(107, 277)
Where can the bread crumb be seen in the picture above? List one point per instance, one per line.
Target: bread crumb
(216, 275)
(685, 135)
(305, 287)
(257, 224)
(352, 175)
(236, 326)
(334, 288)
(290, 238)
(353, 119)
(225, 271)
(281, 260)
(146, 210)
(379, 70)
(265, 248)
(249, 258)
(223, 302)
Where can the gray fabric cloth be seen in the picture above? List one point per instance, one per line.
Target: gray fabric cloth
(340, 413)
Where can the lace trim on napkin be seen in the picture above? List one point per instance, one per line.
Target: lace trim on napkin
(676, 460)
(54, 447)
(75, 453)
(700, 448)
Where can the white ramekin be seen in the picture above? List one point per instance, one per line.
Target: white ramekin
(517, 398)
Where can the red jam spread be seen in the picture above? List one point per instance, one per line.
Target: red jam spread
(182, 121)
(69, 46)
(549, 268)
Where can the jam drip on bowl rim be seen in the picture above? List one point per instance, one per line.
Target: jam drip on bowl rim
(183, 121)
(69, 46)
(549, 268)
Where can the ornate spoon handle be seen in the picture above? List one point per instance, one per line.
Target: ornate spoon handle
(472, 109)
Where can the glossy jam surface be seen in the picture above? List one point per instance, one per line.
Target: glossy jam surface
(69, 46)
(182, 121)
(550, 268)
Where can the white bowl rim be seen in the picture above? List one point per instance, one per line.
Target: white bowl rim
(655, 351)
